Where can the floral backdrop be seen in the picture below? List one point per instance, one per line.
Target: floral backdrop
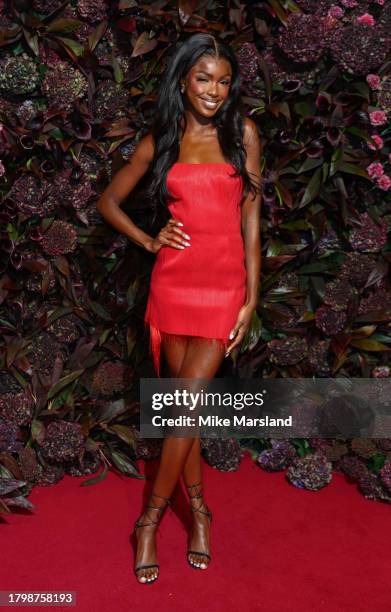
(77, 85)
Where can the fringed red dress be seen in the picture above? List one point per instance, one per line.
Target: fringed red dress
(199, 290)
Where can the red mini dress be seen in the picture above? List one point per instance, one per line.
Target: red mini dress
(198, 291)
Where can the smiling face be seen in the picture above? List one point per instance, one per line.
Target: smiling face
(207, 84)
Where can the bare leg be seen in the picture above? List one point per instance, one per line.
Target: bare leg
(202, 360)
(197, 360)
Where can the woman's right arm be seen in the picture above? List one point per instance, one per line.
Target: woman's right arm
(109, 203)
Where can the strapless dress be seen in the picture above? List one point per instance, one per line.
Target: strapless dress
(198, 291)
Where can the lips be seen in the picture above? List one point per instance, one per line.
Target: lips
(209, 103)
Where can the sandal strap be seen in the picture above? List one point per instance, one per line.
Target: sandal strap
(198, 552)
(140, 567)
(198, 495)
(158, 508)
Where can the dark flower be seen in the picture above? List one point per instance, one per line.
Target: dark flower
(248, 62)
(329, 321)
(318, 357)
(311, 472)
(369, 237)
(63, 85)
(60, 238)
(63, 441)
(277, 458)
(287, 351)
(9, 436)
(356, 268)
(111, 377)
(338, 294)
(358, 48)
(302, 40)
(222, 454)
(18, 75)
(92, 10)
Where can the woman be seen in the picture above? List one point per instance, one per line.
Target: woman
(204, 158)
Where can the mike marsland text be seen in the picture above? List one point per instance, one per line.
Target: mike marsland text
(216, 421)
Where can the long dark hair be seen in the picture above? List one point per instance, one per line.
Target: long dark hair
(169, 111)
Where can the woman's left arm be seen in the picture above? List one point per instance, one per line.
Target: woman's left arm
(251, 235)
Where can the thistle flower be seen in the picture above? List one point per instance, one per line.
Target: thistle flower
(287, 351)
(60, 238)
(224, 454)
(18, 75)
(369, 237)
(302, 40)
(329, 321)
(312, 472)
(63, 441)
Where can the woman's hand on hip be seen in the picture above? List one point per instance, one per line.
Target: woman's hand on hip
(241, 326)
(170, 235)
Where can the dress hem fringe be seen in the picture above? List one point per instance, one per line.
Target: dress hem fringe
(156, 336)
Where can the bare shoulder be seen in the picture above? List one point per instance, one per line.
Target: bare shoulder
(144, 151)
(250, 133)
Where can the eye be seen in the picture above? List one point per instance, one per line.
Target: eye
(201, 79)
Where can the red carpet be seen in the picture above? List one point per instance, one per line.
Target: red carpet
(274, 547)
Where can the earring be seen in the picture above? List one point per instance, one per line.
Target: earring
(182, 88)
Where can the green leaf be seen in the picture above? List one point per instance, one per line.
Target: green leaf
(369, 345)
(353, 169)
(63, 382)
(100, 310)
(312, 188)
(64, 25)
(73, 45)
(125, 465)
(118, 72)
(96, 479)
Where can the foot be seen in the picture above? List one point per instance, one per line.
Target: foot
(146, 548)
(199, 539)
(198, 554)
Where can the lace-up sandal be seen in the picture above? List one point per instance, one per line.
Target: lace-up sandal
(139, 524)
(203, 508)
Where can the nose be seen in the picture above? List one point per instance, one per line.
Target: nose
(212, 89)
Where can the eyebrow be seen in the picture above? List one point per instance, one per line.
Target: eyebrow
(208, 73)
